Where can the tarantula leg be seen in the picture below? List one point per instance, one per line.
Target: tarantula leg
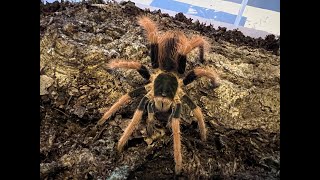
(200, 72)
(175, 125)
(199, 116)
(121, 101)
(152, 35)
(182, 61)
(201, 54)
(154, 55)
(134, 122)
(120, 63)
(150, 120)
(186, 46)
(199, 42)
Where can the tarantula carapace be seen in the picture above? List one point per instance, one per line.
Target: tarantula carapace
(163, 92)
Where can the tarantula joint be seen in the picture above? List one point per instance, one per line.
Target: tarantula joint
(163, 92)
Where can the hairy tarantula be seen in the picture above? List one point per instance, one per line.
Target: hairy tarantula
(163, 91)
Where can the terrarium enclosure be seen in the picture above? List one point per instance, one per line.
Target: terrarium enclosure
(242, 115)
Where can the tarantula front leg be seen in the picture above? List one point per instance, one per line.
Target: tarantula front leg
(198, 114)
(134, 122)
(150, 120)
(175, 125)
(122, 101)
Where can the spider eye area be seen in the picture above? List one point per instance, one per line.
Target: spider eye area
(165, 85)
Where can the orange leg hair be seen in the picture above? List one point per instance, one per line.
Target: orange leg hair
(134, 122)
(122, 101)
(150, 28)
(211, 74)
(198, 115)
(121, 63)
(201, 72)
(114, 108)
(175, 125)
(202, 126)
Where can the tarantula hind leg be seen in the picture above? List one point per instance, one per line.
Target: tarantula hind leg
(134, 122)
(201, 54)
(152, 35)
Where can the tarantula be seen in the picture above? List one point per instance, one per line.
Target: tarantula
(163, 92)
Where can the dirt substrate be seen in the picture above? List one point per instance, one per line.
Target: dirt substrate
(242, 115)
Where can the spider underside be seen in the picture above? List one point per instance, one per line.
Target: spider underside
(163, 92)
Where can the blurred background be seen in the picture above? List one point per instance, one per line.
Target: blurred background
(255, 18)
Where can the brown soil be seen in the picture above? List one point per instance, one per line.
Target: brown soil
(242, 115)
